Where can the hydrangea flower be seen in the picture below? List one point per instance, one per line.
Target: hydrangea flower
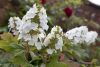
(56, 33)
(27, 30)
(80, 35)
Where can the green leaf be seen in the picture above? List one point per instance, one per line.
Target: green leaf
(19, 58)
(94, 60)
(7, 41)
(5, 45)
(55, 63)
(27, 65)
(9, 37)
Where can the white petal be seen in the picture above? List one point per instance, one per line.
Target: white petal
(50, 51)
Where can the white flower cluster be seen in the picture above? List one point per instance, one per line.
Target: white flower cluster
(81, 35)
(33, 32)
(56, 35)
(29, 30)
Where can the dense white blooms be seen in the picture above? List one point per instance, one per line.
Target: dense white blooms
(43, 19)
(52, 34)
(37, 40)
(26, 27)
(79, 35)
(91, 37)
(11, 23)
(77, 32)
(31, 13)
(59, 44)
(56, 33)
(14, 24)
(30, 31)
(14, 21)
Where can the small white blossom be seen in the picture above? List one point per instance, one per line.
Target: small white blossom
(27, 26)
(38, 45)
(57, 29)
(14, 21)
(14, 24)
(11, 23)
(33, 40)
(50, 51)
(24, 36)
(47, 39)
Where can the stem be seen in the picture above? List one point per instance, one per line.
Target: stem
(27, 50)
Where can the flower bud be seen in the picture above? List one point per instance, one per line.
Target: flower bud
(68, 11)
